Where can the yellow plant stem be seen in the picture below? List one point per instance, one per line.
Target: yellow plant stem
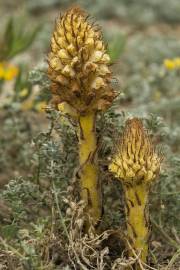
(89, 172)
(137, 216)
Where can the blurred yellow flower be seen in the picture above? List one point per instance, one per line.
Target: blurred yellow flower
(23, 92)
(41, 106)
(8, 71)
(169, 64)
(172, 64)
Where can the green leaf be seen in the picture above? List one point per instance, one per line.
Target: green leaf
(7, 40)
(23, 41)
(9, 231)
(22, 83)
(116, 47)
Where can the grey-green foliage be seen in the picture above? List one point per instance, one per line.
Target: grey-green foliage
(141, 11)
(151, 88)
(19, 193)
(168, 194)
(165, 195)
(15, 137)
(150, 81)
(38, 76)
(55, 156)
(26, 232)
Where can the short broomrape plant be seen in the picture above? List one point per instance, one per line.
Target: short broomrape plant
(80, 76)
(136, 165)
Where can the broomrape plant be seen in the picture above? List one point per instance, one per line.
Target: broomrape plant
(50, 227)
(136, 165)
(80, 76)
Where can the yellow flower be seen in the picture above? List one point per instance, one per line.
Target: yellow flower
(8, 71)
(169, 64)
(172, 64)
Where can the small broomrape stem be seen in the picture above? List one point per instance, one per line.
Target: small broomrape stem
(137, 219)
(136, 164)
(89, 171)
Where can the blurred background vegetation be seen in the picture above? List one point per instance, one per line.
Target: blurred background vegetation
(38, 149)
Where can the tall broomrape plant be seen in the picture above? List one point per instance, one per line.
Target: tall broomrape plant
(136, 165)
(78, 69)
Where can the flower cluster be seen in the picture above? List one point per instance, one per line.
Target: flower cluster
(135, 159)
(79, 64)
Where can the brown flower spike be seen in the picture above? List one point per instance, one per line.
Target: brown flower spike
(78, 64)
